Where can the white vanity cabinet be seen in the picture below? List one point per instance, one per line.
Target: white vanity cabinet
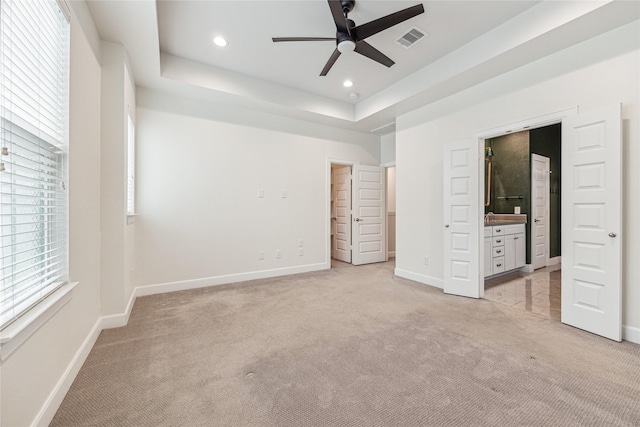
(504, 248)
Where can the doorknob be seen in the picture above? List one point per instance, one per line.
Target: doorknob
(612, 234)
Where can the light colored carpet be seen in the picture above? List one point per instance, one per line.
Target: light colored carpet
(351, 346)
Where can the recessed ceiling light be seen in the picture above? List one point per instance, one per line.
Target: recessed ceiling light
(347, 83)
(220, 41)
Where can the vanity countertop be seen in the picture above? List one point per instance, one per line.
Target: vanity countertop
(504, 219)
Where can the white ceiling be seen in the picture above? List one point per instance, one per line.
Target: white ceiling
(170, 48)
(188, 28)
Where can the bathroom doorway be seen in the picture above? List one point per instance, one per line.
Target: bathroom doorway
(516, 175)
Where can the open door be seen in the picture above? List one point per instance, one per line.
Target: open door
(341, 179)
(540, 210)
(462, 219)
(369, 213)
(591, 222)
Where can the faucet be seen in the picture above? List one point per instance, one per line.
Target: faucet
(489, 217)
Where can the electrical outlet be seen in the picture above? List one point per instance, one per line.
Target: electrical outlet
(300, 251)
(300, 243)
(261, 255)
(426, 260)
(278, 253)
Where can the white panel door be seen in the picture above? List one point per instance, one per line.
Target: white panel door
(591, 222)
(369, 212)
(341, 180)
(540, 210)
(461, 219)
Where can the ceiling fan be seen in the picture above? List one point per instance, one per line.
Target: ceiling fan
(350, 37)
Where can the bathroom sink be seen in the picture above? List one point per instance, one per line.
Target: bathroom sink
(504, 219)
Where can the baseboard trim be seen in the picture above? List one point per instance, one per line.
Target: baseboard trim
(422, 278)
(554, 261)
(631, 334)
(528, 268)
(53, 402)
(183, 285)
(121, 319)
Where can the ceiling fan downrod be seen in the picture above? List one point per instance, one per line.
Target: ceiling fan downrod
(347, 6)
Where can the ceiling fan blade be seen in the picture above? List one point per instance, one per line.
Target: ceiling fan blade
(365, 49)
(363, 31)
(330, 62)
(302, 39)
(338, 16)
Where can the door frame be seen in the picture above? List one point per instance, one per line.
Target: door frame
(387, 165)
(330, 162)
(547, 214)
(526, 124)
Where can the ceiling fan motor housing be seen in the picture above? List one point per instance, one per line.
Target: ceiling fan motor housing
(344, 41)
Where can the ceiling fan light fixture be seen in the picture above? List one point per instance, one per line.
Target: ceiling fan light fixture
(220, 41)
(346, 46)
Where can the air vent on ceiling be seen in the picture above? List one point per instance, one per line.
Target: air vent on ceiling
(411, 37)
(386, 129)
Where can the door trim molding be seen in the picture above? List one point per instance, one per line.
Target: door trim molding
(526, 124)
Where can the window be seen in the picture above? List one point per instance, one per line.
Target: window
(131, 168)
(34, 46)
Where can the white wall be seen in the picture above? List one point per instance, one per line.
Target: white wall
(388, 149)
(118, 234)
(198, 181)
(32, 374)
(599, 72)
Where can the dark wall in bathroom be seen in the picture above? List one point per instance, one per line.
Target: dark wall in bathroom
(511, 176)
(546, 142)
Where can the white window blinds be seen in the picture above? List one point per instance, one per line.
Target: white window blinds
(34, 45)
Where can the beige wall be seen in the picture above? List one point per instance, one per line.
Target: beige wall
(33, 373)
(198, 180)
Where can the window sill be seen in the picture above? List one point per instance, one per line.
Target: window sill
(20, 331)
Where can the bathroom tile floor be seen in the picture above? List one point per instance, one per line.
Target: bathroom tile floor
(537, 292)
